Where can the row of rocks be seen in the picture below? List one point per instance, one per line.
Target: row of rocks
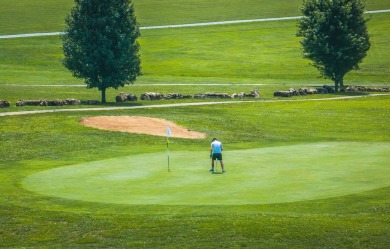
(123, 97)
(304, 91)
(327, 89)
(253, 94)
(292, 92)
(365, 89)
(159, 96)
(55, 102)
(177, 96)
(212, 96)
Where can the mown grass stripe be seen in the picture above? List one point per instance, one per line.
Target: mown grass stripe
(186, 25)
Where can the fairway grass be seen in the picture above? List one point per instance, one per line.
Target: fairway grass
(255, 176)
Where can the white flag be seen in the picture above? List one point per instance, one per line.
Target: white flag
(169, 134)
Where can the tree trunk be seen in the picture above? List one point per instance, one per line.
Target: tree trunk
(342, 83)
(338, 82)
(103, 95)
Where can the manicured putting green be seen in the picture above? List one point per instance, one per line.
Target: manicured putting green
(254, 176)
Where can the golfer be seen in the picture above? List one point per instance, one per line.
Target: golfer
(216, 153)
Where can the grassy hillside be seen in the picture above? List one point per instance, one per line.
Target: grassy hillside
(45, 16)
(25, 16)
(260, 53)
(266, 51)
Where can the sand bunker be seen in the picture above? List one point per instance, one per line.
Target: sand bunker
(140, 125)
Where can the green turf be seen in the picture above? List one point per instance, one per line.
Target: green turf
(254, 176)
(38, 143)
(24, 16)
(31, 144)
(255, 53)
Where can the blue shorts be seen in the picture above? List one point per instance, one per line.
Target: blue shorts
(217, 156)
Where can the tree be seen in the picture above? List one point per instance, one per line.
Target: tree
(334, 35)
(100, 43)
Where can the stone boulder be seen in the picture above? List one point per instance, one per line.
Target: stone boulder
(325, 89)
(55, 102)
(23, 102)
(302, 91)
(72, 102)
(4, 103)
(282, 94)
(123, 97)
(329, 89)
(177, 96)
(293, 92)
(321, 90)
(152, 96)
(212, 96)
(200, 96)
(253, 94)
(132, 97)
(289, 93)
(365, 89)
(238, 95)
(311, 91)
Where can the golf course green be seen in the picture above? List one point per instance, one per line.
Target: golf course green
(308, 171)
(254, 176)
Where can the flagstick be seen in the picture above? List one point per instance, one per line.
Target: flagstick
(169, 134)
(168, 154)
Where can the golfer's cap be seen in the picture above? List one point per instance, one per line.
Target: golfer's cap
(214, 139)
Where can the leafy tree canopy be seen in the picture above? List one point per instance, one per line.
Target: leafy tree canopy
(334, 36)
(100, 43)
